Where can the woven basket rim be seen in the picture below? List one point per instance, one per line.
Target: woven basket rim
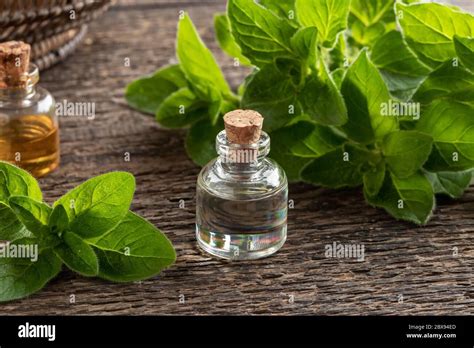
(10, 17)
(70, 4)
(61, 53)
(41, 23)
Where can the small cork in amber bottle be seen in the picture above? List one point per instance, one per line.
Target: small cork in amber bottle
(243, 126)
(14, 64)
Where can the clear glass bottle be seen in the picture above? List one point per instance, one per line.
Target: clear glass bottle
(241, 204)
(29, 135)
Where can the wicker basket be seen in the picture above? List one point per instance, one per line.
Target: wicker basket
(53, 27)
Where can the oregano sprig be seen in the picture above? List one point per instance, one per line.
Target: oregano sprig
(378, 94)
(90, 230)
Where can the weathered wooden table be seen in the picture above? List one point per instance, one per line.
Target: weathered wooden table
(407, 269)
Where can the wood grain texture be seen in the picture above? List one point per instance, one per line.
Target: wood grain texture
(417, 263)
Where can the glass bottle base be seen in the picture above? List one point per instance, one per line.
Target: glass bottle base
(241, 246)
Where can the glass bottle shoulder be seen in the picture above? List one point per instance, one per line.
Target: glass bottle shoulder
(267, 180)
(44, 99)
(39, 102)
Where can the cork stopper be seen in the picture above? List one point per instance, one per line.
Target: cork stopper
(14, 64)
(243, 126)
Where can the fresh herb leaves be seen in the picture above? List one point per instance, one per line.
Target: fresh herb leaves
(133, 250)
(451, 126)
(370, 20)
(403, 72)
(465, 50)
(99, 204)
(328, 16)
(272, 92)
(148, 93)
(261, 34)
(365, 92)
(429, 30)
(405, 152)
(410, 199)
(77, 254)
(21, 277)
(375, 93)
(90, 230)
(226, 40)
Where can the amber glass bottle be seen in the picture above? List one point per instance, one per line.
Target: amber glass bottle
(29, 135)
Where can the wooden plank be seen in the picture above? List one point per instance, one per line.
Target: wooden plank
(418, 263)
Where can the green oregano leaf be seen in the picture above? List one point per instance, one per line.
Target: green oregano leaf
(406, 151)
(451, 126)
(146, 94)
(404, 62)
(338, 56)
(198, 63)
(4, 193)
(18, 182)
(429, 30)
(58, 220)
(15, 182)
(21, 277)
(133, 250)
(201, 141)
(403, 72)
(32, 213)
(373, 178)
(10, 227)
(283, 8)
(181, 109)
(311, 141)
(337, 76)
(99, 204)
(370, 20)
(449, 183)
(328, 16)
(410, 199)
(273, 94)
(321, 99)
(226, 40)
(305, 45)
(450, 81)
(262, 35)
(77, 255)
(338, 168)
(372, 11)
(365, 92)
(465, 50)
(366, 36)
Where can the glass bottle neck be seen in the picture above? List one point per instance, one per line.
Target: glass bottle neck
(20, 93)
(237, 158)
(7, 94)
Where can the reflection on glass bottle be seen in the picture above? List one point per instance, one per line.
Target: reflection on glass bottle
(29, 134)
(242, 195)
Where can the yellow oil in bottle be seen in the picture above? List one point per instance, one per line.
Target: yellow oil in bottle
(30, 142)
